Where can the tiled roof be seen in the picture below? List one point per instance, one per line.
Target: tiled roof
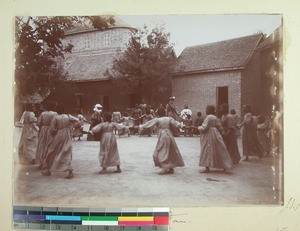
(81, 28)
(272, 39)
(89, 67)
(223, 55)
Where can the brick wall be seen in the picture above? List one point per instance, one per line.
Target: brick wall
(97, 40)
(251, 84)
(92, 93)
(200, 90)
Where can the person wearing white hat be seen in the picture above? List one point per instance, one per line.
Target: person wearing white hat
(98, 107)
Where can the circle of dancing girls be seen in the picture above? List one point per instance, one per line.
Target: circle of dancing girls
(96, 118)
(264, 128)
(251, 146)
(59, 154)
(78, 127)
(213, 150)
(172, 112)
(166, 154)
(229, 135)
(45, 136)
(108, 154)
(29, 137)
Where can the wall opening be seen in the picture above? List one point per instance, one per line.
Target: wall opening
(105, 103)
(222, 97)
(79, 100)
(133, 100)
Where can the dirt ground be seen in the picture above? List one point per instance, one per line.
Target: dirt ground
(249, 183)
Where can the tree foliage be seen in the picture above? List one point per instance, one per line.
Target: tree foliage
(145, 66)
(39, 44)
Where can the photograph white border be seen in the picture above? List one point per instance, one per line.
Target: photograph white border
(210, 218)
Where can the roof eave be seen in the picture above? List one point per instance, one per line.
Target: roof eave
(86, 80)
(253, 50)
(208, 71)
(94, 29)
(268, 46)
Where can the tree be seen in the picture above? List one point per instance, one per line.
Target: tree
(145, 66)
(39, 45)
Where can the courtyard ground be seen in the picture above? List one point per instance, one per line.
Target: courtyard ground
(249, 183)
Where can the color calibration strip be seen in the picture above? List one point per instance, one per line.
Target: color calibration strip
(90, 219)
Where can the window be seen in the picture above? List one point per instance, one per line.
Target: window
(79, 100)
(104, 101)
(88, 43)
(106, 40)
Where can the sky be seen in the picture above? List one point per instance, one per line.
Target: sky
(190, 30)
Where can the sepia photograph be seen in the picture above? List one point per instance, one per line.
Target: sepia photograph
(148, 110)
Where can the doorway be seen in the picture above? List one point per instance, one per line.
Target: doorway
(222, 97)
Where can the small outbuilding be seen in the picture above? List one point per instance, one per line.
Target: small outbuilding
(221, 72)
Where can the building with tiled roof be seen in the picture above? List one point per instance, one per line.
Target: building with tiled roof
(94, 50)
(231, 54)
(92, 55)
(220, 72)
(230, 71)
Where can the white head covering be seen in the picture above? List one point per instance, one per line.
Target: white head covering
(97, 107)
